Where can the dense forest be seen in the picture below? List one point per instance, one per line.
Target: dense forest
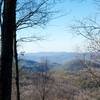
(47, 75)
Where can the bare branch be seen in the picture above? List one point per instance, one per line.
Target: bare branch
(28, 20)
(89, 29)
(30, 39)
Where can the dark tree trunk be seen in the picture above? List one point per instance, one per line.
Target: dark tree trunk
(9, 25)
(0, 32)
(17, 68)
(0, 10)
(1, 2)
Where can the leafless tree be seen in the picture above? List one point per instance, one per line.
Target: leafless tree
(43, 80)
(89, 28)
(30, 13)
(8, 28)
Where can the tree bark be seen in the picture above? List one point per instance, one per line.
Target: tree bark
(17, 67)
(9, 25)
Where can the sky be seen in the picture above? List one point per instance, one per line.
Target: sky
(57, 34)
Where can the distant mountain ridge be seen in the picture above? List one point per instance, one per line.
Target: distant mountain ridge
(53, 57)
(57, 60)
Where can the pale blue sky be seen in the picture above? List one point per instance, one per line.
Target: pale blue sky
(57, 33)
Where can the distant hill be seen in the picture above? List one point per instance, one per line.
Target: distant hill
(76, 65)
(33, 66)
(28, 65)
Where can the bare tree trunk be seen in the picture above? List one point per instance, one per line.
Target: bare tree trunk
(43, 98)
(17, 69)
(9, 25)
(0, 32)
(1, 1)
